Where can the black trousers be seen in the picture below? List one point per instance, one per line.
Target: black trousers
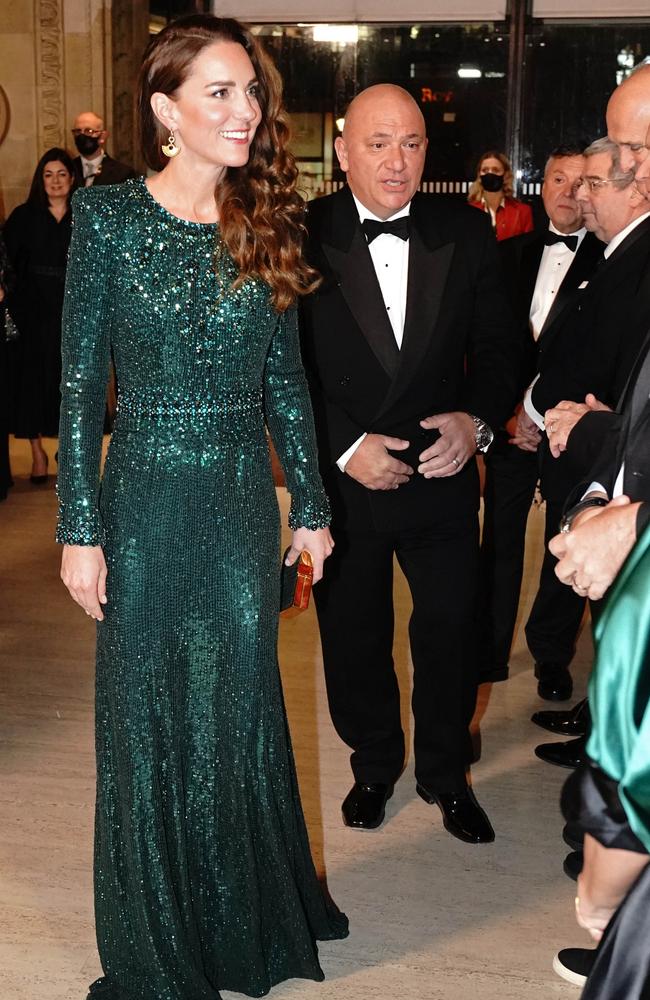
(355, 612)
(554, 621)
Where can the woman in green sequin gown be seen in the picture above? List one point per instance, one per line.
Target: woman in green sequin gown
(203, 874)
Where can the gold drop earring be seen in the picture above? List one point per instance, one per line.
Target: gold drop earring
(171, 149)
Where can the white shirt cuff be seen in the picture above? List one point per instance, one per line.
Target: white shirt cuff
(530, 409)
(594, 488)
(347, 455)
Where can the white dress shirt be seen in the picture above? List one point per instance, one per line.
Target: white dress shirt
(556, 261)
(390, 257)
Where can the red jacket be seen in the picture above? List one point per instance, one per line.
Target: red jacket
(513, 217)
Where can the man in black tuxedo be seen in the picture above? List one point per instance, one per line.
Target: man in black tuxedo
(409, 351)
(612, 505)
(547, 272)
(94, 165)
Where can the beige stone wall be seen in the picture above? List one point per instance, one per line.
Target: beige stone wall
(57, 58)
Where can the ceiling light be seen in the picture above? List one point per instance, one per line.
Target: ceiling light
(343, 34)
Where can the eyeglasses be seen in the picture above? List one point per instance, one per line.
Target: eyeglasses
(87, 131)
(596, 183)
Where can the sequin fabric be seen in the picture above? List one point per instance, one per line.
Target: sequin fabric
(203, 874)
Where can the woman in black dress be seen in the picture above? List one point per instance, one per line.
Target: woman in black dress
(37, 237)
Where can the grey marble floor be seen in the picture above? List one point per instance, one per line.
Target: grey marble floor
(431, 918)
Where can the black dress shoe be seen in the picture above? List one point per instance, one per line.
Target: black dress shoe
(462, 816)
(569, 754)
(555, 683)
(572, 864)
(573, 836)
(364, 806)
(572, 722)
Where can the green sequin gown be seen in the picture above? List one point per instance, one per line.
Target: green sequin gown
(203, 874)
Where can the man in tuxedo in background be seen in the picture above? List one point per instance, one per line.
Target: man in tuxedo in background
(94, 165)
(547, 272)
(612, 505)
(409, 352)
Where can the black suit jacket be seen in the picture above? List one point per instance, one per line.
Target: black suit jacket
(458, 351)
(112, 172)
(625, 439)
(593, 349)
(522, 257)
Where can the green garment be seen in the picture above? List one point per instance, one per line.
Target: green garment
(619, 689)
(203, 874)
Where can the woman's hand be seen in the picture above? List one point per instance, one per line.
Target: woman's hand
(318, 543)
(83, 571)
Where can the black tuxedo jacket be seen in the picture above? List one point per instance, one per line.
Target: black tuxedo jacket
(593, 349)
(625, 438)
(112, 172)
(458, 351)
(522, 257)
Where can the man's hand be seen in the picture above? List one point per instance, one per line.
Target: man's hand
(525, 434)
(592, 553)
(373, 467)
(456, 444)
(561, 420)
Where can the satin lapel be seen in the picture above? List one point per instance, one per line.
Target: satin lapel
(358, 283)
(531, 258)
(427, 277)
(581, 269)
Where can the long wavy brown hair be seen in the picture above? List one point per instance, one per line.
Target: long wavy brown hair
(260, 212)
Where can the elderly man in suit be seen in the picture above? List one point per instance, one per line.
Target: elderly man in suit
(547, 272)
(409, 351)
(94, 165)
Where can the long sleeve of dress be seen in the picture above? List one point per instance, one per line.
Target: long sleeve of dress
(289, 417)
(86, 356)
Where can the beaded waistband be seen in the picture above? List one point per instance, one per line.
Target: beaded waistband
(195, 411)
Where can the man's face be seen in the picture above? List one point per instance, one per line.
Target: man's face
(382, 151)
(89, 124)
(606, 209)
(558, 192)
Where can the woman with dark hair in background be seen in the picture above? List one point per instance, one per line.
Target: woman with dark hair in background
(37, 237)
(492, 190)
(203, 874)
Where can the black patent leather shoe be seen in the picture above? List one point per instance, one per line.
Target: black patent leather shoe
(364, 806)
(572, 722)
(569, 754)
(555, 683)
(573, 864)
(462, 816)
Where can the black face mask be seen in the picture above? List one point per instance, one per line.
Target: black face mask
(86, 144)
(492, 182)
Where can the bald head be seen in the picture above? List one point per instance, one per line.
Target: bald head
(382, 148)
(628, 120)
(385, 97)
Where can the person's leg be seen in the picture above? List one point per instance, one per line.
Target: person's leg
(441, 566)
(39, 459)
(510, 480)
(354, 602)
(554, 621)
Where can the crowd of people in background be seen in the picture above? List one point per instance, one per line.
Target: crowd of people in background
(429, 333)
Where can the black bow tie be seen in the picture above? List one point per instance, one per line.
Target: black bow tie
(398, 227)
(551, 238)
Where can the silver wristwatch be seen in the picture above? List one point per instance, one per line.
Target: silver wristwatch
(484, 435)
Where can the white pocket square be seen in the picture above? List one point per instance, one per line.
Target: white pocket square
(583, 285)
